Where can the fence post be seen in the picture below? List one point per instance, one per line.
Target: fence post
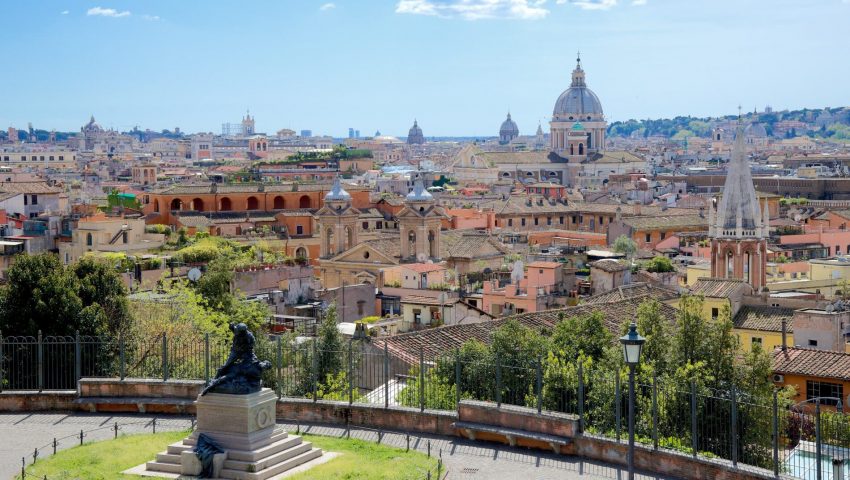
(164, 357)
(580, 395)
(618, 403)
(2, 360)
(457, 378)
(78, 360)
(206, 359)
(121, 358)
(40, 352)
(694, 417)
(734, 427)
(539, 384)
(818, 439)
(499, 382)
(421, 379)
(279, 367)
(386, 375)
(775, 434)
(350, 374)
(314, 373)
(654, 411)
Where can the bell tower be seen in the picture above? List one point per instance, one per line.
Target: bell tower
(738, 225)
(419, 226)
(337, 222)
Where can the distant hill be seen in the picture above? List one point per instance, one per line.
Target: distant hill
(823, 123)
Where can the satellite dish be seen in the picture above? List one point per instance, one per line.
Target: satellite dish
(194, 274)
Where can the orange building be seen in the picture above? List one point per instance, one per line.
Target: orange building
(813, 373)
(544, 285)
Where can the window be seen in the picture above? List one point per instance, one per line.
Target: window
(838, 249)
(756, 340)
(124, 237)
(365, 225)
(26, 200)
(813, 343)
(574, 219)
(820, 390)
(522, 222)
(299, 230)
(648, 237)
(35, 199)
(561, 220)
(715, 312)
(417, 316)
(50, 158)
(89, 239)
(663, 234)
(61, 157)
(360, 307)
(601, 220)
(548, 220)
(536, 220)
(510, 222)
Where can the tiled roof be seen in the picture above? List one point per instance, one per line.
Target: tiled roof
(470, 244)
(28, 187)
(624, 292)
(609, 265)
(435, 341)
(717, 287)
(248, 188)
(530, 157)
(666, 222)
(543, 264)
(226, 217)
(425, 300)
(812, 363)
(764, 318)
(424, 267)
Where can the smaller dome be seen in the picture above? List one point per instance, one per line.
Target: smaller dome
(755, 130)
(419, 193)
(337, 193)
(509, 128)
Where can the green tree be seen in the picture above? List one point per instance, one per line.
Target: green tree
(658, 333)
(101, 288)
(214, 285)
(581, 335)
(660, 264)
(690, 331)
(625, 245)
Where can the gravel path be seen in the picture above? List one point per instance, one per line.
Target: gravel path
(20, 434)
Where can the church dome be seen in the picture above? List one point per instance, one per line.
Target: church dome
(419, 193)
(92, 126)
(337, 193)
(415, 135)
(755, 130)
(577, 100)
(508, 128)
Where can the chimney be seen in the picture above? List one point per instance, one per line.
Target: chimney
(784, 334)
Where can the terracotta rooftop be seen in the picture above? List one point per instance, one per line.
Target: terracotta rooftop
(543, 264)
(424, 267)
(812, 363)
(609, 265)
(763, 318)
(666, 222)
(625, 292)
(424, 300)
(434, 342)
(718, 287)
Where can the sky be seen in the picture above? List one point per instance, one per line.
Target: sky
(458, 66)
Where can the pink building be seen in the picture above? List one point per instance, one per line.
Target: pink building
(544, 284)
(836, 240)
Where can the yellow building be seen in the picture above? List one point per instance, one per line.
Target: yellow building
(697, 271)
(829, 273)
(27, 157)
(100, 233)
(763, 325)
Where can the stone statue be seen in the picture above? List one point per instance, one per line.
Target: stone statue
(241, 373)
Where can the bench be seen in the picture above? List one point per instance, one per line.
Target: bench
(511, 434)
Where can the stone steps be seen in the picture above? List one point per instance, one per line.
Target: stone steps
(168, 457)
(266, 462)
(163, 467)
(177, 448)
(275, 470)
(281, 445)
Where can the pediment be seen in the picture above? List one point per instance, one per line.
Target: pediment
(357, 254)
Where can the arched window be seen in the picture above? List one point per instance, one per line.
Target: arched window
(89, 240)
(156, 206)
(572, 149)
(176, 204)
(301, 252)
(198, 205)
(253, 203)
(304, 202)
(226, 205)
(348, 241)
(279, 203)
(329, 241)
(581, 149)
(432, 244)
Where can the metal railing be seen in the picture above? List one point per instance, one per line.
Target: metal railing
(807, 442)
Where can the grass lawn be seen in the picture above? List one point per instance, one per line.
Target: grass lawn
(357, 460)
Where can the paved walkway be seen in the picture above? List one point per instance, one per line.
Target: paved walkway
(20, 434)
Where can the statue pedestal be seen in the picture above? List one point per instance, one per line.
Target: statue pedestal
(244, 426)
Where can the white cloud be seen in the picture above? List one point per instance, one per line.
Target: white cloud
(152, 18)
(591, 4)
(638, 3)
(106, 12)
(475, 9)
(327, 6)
(65, 12)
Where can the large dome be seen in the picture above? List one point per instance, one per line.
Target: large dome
(755, 130)
(578, 99)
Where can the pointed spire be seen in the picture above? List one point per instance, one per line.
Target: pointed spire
(578, 60)
(739, 207)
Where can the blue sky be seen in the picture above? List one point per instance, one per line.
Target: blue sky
(456, 65)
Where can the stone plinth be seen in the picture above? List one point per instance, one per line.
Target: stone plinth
(244, 426)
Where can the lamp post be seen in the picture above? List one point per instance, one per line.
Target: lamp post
(632, 346)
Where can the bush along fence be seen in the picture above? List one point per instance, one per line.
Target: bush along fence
(810, 441)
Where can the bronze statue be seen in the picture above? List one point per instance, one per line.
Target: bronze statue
(242, 373)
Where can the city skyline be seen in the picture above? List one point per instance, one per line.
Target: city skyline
(330, 66)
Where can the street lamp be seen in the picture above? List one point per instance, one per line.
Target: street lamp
(632, 346)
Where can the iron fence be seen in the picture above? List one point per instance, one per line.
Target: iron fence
(808, 442)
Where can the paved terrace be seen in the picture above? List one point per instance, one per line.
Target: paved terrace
(465, 460)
